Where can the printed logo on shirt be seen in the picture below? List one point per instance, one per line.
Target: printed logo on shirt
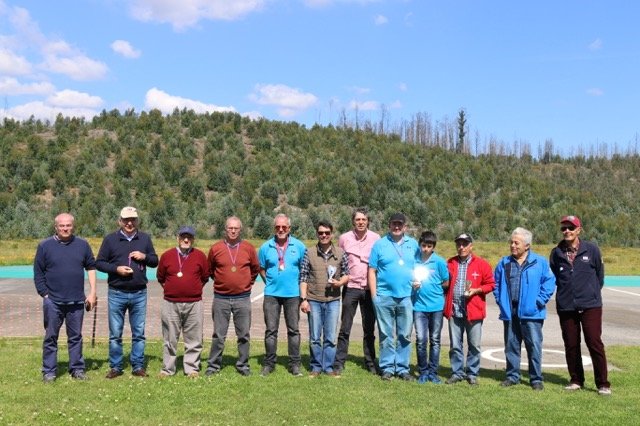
(585, 258)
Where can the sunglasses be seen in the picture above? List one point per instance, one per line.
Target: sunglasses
(324, 233)
(462, 243)
(281, 228)
(567, 228)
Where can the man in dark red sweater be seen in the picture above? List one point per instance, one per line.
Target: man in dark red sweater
(234, 267)
(182, 272)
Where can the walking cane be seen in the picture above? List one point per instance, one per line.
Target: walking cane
(95, 315)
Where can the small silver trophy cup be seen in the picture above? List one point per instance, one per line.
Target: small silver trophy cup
(331, 272)
(467, 288)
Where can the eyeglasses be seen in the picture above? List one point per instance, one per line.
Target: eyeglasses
(462, 243)
(281, 227)
(567, 228)
(321, 233)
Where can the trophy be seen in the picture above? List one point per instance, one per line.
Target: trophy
(420, 273)
(331, 272)
(467, 288)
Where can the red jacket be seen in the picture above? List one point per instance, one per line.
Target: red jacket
(481, 276)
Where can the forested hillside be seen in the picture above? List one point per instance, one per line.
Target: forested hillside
(199, 169)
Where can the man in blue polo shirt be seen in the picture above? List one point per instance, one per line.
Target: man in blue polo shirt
(280, 258)
(58, 271)
(391, 266)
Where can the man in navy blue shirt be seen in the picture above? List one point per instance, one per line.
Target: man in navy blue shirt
(58, 271)
(124, 256)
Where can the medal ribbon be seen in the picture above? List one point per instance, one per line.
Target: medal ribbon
(229, 247)
(180, 256)
(281, 253)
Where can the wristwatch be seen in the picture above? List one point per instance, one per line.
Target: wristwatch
(303, 299)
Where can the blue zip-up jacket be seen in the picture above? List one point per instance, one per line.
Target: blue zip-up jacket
(114, 252)
(579, 285)
(537, 284)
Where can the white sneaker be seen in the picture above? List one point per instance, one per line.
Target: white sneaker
(572, 387)
(604, 391)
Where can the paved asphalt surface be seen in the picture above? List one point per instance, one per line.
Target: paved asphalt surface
(21, 316)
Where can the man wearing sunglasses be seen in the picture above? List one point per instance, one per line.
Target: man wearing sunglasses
(280, 258)
(323, 272)
(465, 307)
(124, 255)
(577, 265)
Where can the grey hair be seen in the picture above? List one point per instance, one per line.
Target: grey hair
(282, 215)
(525, 234)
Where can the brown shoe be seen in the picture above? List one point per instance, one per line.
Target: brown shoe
(314, 374)
(140, 372)
(193, 375)
(335, 374)
(113, 373)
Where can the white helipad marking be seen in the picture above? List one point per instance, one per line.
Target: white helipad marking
(622, 291)
(488, 354)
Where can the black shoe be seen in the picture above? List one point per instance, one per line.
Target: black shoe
(266, 370)
(295, 371)
(49, 378)
(373, 370)
(453, 379)
(244, 372)
(211, 372)
(407, 377)
(538, 386)
(472, 381)
(507, 383)
(79, 375)
(386, 376)
(113, 373)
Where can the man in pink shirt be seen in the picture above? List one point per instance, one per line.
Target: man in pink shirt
(357, 244)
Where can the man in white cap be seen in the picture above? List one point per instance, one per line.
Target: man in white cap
(124, 255)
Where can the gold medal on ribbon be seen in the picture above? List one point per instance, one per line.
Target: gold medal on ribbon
(233, 269)
(179, 274)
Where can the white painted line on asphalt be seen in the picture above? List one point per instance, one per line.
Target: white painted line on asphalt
(622, 291)
(488, 354)
(258, 297)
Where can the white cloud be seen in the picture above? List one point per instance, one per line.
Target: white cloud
(124, 48)
(77, 67)
(403, 87)
(396, 104)
(594, 91)
(364, 106)
(360, 90)
(380, 20)
(289, 100)
(595, 44)
(73, 99)
(166, 103)
(12, 64)
(187, 13)
(12, 87)
(42, 110)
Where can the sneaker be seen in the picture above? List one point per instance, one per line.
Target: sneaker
(604, 391)
(211, 372)
(423, 379)
(572, 387)
(79, 375)
(406, 377)
(49, 378)
(266, 370)
(314, 374)
(435, 380)
(113, 373)
(295, 371)
(193, 375)
(507, 383)
(538, 386)
(386, 376)
(453, 379)
(140, 372)
(473, 381)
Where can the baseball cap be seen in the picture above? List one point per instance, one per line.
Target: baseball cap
(128, 212)
(187, 230)
(574, 220)
(398, 217)
(464, 237)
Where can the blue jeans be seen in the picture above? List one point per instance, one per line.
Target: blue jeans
(395, 321)
(457, 328)
(428, 330)
(54, 316)
(272, 306)
(323, 323)
(515, 331)
(119, 303)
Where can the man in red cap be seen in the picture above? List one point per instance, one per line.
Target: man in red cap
(577, 265)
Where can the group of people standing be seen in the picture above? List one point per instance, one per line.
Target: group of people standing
(396, 281)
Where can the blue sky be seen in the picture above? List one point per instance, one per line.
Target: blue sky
(523, 71)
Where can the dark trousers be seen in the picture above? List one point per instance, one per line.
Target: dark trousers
(590, 321)
(222, 311)
(351, 298)
(54, 316)
(272, 306)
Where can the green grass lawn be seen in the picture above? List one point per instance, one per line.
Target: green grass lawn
(356, 398)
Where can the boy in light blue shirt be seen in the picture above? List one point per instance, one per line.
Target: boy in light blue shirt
(431, 278)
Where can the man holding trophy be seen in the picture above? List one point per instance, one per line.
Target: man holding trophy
(323, 271)
(471, 278)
